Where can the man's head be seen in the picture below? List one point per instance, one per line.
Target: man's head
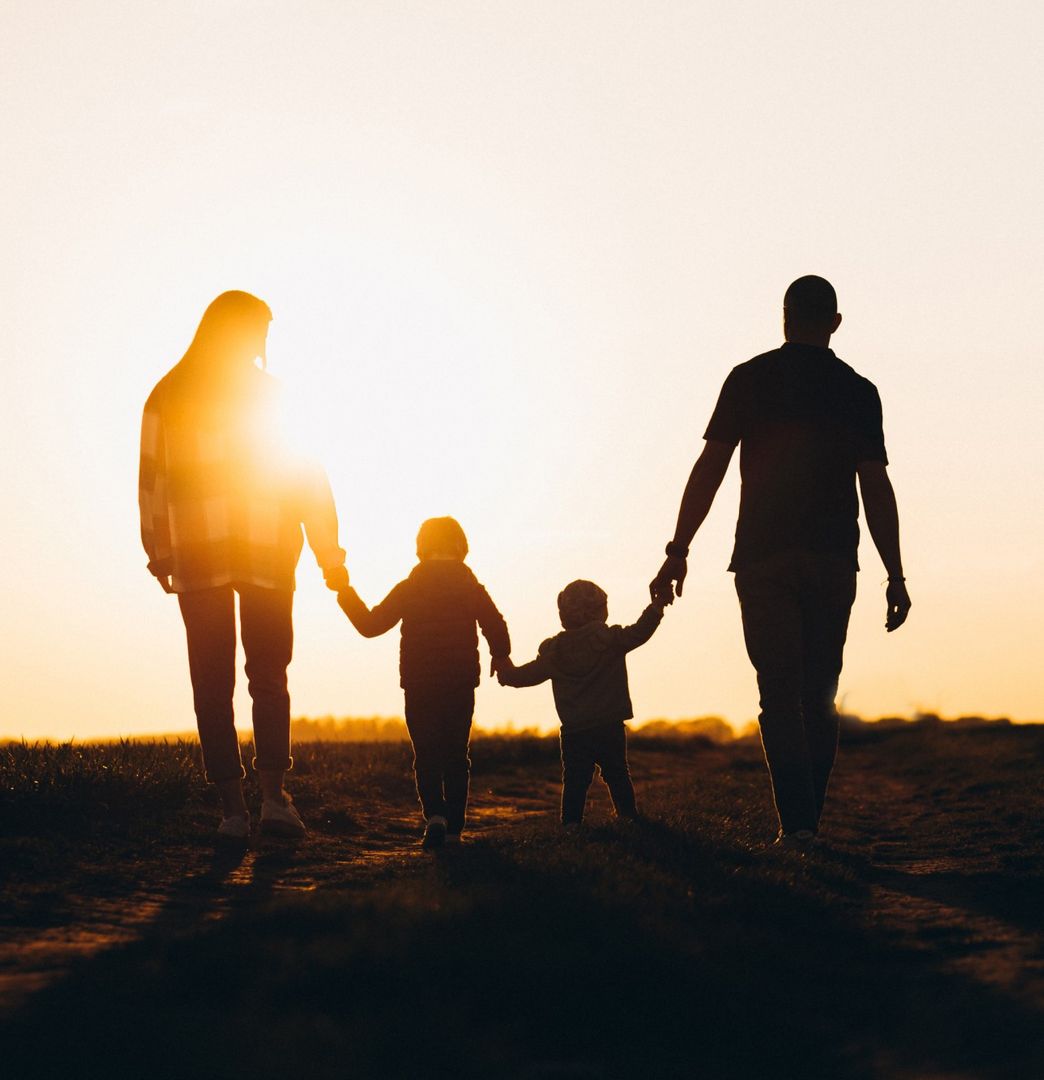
(810, 312)
(582, 602)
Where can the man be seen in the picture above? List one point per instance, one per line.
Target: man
(807, 426)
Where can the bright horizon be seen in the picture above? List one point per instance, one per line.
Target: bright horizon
(512, 252)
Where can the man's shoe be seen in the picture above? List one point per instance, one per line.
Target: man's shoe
(281, 819)
(799, 840)
(234, 830)
(434, 833)
(453, 839)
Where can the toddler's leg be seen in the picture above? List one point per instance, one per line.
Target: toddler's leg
(577, 771)
(612, 760)
(456, 773)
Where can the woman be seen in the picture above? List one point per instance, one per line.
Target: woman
(222, 504)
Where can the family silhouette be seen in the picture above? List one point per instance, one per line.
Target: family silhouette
(225, 508)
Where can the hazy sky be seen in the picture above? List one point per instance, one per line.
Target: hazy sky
(512, 250)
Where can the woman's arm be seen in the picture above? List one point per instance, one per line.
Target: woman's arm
(152, 497)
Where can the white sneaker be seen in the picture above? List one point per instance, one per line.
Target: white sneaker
(234, 829)
(434, 832)
(281, 818)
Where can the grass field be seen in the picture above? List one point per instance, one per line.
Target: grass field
(909, 944)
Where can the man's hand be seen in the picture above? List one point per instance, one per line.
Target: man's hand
(336, 578)
(672, 571)
(899, 604)
(498, 664)
(165, 584)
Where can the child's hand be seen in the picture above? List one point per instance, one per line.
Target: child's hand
(499, 665)
(336, 578)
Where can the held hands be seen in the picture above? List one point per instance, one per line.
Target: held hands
(336, 578)
(501, 666)
(671, 573)
(899, 604)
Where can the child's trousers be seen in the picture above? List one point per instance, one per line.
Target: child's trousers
(606, 747)
(439, 722)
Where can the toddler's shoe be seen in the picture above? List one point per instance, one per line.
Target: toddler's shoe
(434, 832)
(281, 819)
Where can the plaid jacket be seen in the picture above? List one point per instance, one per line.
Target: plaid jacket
(222, 500)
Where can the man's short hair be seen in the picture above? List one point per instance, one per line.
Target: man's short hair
(811, 299)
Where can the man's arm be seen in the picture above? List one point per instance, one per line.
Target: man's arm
(704, 481)
(882, 519)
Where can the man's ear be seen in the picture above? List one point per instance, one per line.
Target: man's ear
(837, 322)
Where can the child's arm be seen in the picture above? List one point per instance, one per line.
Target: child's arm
(531, 674)
(638, 633)
(494, 628)
(378, 621)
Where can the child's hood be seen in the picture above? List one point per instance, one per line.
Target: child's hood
(449, 570)
(578, 652)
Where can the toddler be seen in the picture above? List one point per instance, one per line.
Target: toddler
(588, 672)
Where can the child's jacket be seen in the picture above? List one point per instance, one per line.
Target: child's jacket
(439, 605)
(588, 670)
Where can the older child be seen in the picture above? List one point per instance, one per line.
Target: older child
(588, 672)
(439, 605)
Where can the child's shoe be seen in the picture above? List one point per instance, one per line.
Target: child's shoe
(434, 833)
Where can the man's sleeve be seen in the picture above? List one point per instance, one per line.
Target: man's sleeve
(871, 444)
(152, 494)
(726, 422)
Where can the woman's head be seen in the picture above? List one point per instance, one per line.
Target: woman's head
(582, 602)
(233, 330)
(441, 538)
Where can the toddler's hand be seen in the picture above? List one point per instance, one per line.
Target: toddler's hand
(336, 578)
(499, 665)
(661, 595)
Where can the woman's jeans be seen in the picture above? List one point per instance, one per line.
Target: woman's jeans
(606, 747)
(265, 619)
(439, 722)
(795, 608)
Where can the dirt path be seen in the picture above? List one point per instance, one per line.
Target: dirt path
(939, 866)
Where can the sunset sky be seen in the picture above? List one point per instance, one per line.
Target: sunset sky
(512, 250)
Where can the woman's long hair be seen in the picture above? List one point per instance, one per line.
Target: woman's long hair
(227, 326)
(212, 377)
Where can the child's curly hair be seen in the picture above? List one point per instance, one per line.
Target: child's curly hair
(582, 602)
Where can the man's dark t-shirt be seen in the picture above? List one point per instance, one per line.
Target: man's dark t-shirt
(804, 420)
